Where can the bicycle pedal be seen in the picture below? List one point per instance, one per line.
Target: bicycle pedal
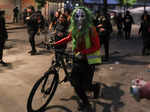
(42, 91)
(62, 81)
(47, 91)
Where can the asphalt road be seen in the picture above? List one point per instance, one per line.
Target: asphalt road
(17, 79)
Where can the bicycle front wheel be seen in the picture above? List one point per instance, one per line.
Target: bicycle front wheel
(42, 92)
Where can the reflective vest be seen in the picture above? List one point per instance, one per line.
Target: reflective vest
(93, 58)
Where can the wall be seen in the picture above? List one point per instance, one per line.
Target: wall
(8, 6)
(26, 3)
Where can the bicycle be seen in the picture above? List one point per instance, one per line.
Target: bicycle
(48, 90)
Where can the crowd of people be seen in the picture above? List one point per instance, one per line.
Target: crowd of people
(88, 34)
(124, 24)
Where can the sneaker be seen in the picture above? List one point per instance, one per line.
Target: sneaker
(3, 63)
(32, 51)
(86, 108)
(29, 51)
(96, 90)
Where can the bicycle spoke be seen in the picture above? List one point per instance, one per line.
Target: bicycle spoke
(50, 88)
(42, 94)
(39, 99)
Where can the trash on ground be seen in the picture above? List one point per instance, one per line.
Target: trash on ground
(140, 89)
(117, 62)
(111, 68)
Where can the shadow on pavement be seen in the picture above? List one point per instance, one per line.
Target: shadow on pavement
(108, 93)
(76, 98)
(114, 94)
(7, 65)
(60, 107)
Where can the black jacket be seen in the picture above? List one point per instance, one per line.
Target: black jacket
(145, 29)
(33, 24)
(128, 21)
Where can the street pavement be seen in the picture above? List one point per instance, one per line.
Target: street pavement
(12, 26)
(114, 76)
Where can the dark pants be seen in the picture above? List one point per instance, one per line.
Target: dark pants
(81, 78)
(32, 40)
(119, 33)
(127, 32)
(105, 41)
(15, 19)
(146, 45)
(1, 49)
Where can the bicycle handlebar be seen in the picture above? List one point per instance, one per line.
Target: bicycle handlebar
(72, 55)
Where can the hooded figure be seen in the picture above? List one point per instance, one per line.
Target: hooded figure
(85, 42)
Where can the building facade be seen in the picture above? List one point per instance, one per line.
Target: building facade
(8, 6)
(26, 3)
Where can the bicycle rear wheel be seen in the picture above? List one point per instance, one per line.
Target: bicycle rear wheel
(42, 91)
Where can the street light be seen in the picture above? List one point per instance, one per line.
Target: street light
(67, 2)
(76, 5)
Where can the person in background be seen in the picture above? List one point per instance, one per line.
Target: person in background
(144, 13)
(3, 36)
(67, 13)
(119, 22)
(96, 19)
(24, 15)
(105, 29)
(15, 16)
(144, 30)
(51, 15)
(34, 21)
(61, 32)
(52, 25)
(128, 21)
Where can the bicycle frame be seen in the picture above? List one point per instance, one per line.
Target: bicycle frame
(55, 68)
(63, 66)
